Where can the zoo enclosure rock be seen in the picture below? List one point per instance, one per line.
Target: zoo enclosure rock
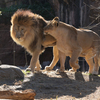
(10, 72)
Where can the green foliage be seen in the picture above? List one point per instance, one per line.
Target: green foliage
(0, 12)
(26, 72)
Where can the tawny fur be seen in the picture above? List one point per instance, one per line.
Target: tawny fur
(76, 43)
(27, 30)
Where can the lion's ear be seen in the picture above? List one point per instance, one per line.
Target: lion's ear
(56, 21)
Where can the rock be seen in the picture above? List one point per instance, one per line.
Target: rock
(45, 63)
(10, 72)
(28, 94)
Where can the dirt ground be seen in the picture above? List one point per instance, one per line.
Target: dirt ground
(50, 85)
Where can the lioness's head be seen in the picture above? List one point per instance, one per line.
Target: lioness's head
(51, 25)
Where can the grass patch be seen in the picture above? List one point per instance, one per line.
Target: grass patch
(91, 74)
(26, 72)
(99, 75)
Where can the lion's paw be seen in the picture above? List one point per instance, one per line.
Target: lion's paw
(28, 69)
(60, 70)
(37, 69)
(73, 70)
(95, 72)
(48, 68)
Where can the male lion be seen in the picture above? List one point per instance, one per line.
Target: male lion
(76, 42)
(27, 31)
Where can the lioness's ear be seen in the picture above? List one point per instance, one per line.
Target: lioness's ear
(56, 21)
(56, 18)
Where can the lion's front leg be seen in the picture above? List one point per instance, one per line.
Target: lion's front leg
(34, 59)
(38, 66)
(73, 59)
(55, 59)
(62, 57)
(28, 69)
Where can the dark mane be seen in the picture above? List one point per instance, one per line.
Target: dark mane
(26, 17)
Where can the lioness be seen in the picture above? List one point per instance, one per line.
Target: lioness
(76, 42)
(27, 31)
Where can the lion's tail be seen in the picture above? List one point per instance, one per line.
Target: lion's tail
(99, 62)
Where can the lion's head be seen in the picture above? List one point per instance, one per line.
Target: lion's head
(27, 29)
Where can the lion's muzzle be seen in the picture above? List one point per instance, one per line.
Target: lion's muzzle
(19, 35)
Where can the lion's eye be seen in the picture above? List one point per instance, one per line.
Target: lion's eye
(15, 28)
(21, 29)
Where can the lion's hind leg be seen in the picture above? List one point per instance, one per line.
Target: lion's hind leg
(55, 59)
(93, 65)
(89, 60)
(96, 68)
(56, 55)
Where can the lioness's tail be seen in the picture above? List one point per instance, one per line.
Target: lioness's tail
(99, 59)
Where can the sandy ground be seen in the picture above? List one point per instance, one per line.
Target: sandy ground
(50, 85)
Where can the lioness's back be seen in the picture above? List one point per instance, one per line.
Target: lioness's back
(88, 33)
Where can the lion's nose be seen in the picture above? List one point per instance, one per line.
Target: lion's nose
(18, 35)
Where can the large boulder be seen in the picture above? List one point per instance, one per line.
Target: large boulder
(10, 72)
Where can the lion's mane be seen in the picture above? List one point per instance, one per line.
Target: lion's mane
(31, 21)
